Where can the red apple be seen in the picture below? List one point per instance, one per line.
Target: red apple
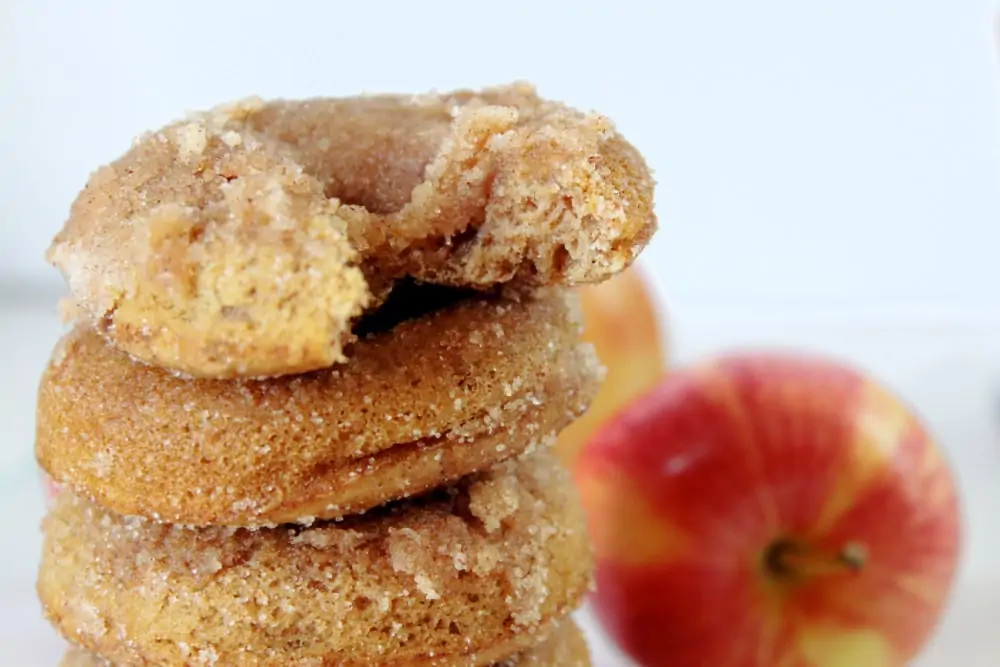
(49, 488)
(622, 323)
(769, 510)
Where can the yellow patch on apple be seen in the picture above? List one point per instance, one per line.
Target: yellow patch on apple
(644, 538)
(839, 647)
(880, 423)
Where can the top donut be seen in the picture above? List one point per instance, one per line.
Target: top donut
(246, 240)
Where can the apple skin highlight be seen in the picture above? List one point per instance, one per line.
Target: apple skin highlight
(769, 510)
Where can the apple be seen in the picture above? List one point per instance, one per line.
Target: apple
(769, 510)
(622, 323)
(49, 488)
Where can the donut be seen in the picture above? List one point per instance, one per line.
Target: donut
(247, 240)
(77, 657)
(464, 575)
(422, 402)
(566, 647)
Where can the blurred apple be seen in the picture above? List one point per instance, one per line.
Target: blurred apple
(621, 321)
(49, 488)
(769, 510)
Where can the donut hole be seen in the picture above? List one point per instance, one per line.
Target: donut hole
(370, 152)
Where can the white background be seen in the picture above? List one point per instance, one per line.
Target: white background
(828, 179)
(808, 153)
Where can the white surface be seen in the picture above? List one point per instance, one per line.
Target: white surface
(946, 365)
(834, 152)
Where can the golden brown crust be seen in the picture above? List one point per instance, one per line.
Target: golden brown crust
(465, 576)
(244, 241)
(566, 647)
(430, 400)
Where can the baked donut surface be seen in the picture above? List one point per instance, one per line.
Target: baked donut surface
(565, 647)
(423, 403)
(466, 575)
(246, 240)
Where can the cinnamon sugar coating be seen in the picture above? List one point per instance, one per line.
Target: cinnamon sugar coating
(466, 575)
(246, 240)
(566, 647)
(421, 404)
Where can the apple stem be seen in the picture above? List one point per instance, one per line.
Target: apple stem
(789, 559)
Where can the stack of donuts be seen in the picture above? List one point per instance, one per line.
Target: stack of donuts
(319, 352)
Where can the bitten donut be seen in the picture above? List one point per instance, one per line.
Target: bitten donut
(466, 575)
(245, 241)
(566, 647)
(421, 403)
